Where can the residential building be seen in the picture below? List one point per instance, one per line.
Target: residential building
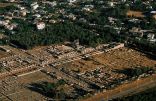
(40, 25)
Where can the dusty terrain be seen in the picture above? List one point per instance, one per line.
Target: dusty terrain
(126, 89)
(132, 13)
(3, 54)
(4, 4)
(117, 59)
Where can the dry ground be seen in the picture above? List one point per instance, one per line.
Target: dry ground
(25, 94)
(138, 14)
(132, 13)
(136, 85)
(117, 59)
(4, 4)
(125, 58)
(3, 54)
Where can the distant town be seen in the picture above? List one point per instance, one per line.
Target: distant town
(76, 49)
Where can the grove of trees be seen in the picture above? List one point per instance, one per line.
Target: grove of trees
(27, 36)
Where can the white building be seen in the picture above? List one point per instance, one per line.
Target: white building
(150, 36)
(34, 5)
(37, 15)
(23, 12)
(72, 16)
(4, 23)
(153, 12)
(111, 4)
(10, 0)
(123, 0)
(40, 25)
(54, 3)
(11, 26)
(71, 1)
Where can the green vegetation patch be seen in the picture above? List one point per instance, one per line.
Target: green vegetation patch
(28, 36)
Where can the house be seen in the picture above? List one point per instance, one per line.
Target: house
(54, 3)
(150, 37)
(72, 16)
(72, 1)
(111, 4)
(52, 21)
(112, 20)
(153, 12)
(86, 9)
(2, 36)
(137, 32)
(34, 5)
(4, 23)
(37, 15)
(11, 26)
(23, 13)
(10, 0)
(83, 20)
(40, 25)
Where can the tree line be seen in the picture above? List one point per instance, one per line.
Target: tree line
(27, 36)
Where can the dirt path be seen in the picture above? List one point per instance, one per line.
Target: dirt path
(126, 89)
